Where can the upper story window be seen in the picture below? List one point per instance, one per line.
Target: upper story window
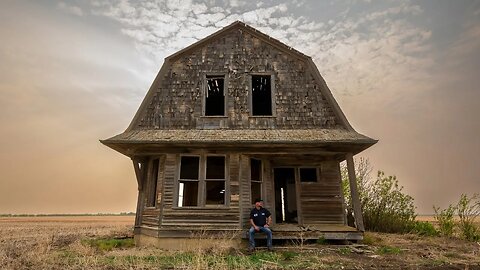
(262, 95)
(215, 95)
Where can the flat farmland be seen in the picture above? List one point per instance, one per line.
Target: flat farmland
(105, 242)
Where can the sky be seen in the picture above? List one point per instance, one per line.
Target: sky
(74, 72)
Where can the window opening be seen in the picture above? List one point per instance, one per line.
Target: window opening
(261, 95)
(215, 96)
(215, 180)
(308, 175)
(188, 182)
(152, 194)
(255, 179)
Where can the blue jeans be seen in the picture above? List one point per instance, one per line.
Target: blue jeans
(265, 230)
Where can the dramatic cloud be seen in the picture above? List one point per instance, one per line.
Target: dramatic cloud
(403, 72)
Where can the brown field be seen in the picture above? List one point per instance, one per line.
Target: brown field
(76, 243)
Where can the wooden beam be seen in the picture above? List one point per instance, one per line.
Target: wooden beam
(140, 168)
(138, 173)
(357, 208)
(138, 213)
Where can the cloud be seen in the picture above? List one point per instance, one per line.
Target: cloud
(358, 52)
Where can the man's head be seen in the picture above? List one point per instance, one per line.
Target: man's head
(258, 203)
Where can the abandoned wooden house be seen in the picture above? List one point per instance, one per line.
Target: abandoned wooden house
(237, 116)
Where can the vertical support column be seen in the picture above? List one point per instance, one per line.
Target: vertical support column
(140, 169)
(357, 209)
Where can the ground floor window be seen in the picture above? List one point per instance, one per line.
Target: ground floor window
(202, 181)
(255, 179)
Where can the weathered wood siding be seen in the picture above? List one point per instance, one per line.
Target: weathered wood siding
(197, 218)
(151, 214)
(322, 202)
(245, 196)
(177, 102)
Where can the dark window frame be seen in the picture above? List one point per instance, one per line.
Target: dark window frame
(206, 77)
(256, 181)
(272, 94)
(180, 180)
(317, 172)
(202, 183)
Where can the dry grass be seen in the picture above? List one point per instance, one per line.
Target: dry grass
(76, 243)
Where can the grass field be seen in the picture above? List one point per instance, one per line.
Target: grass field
(105, 242)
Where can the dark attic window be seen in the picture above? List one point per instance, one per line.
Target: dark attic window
(215, 96)
(261, 95)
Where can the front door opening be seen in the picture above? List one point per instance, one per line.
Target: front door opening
(285, 196)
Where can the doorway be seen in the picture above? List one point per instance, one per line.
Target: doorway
(285, 196)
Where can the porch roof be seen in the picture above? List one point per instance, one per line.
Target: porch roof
(244, 137)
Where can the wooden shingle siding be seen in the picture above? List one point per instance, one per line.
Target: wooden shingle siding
(322, 202)
(298, 102)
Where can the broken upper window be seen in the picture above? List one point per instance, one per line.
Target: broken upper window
(215, 96)
(261, 95)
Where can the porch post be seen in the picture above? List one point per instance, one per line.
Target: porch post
(140, 175)
(357, 209)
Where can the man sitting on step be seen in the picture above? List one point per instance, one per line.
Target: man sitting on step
(260, 219)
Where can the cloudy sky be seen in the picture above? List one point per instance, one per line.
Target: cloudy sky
(74, 72)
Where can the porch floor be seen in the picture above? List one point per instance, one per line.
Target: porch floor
(327, 231)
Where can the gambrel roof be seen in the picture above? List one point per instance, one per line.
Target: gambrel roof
(343, 133)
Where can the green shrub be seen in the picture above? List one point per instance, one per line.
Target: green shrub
(424, 228)
(384, 206)
(468, 209)
(444, 217)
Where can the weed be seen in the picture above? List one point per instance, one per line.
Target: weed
(445, 220)
(289, 255)
(345, 250)
(468, 210)
(424, 228)
(370, 239)
(383, 250)
(109, 244)
(322, 241)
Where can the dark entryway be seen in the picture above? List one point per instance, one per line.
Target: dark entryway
(285, 196)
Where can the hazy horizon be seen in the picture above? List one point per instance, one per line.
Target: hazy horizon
(75, 72)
